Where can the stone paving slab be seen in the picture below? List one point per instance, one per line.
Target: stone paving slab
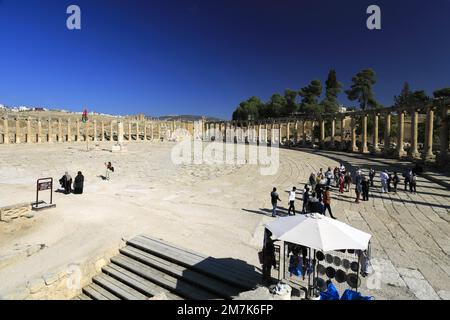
(411, 232)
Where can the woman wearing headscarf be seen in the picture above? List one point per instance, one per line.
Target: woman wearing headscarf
(66, 182)
(78, 183)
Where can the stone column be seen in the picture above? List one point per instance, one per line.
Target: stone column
(443, 136)
(414, 151)
(129, 130)
(304, 132)
(69, 134)
(102, 131)
(387, 134)
(86, 130)
(400, 152)
(29, 132)
(78, 130)
(95, 130)
(5, 131)
(280, 132)
(375, 146)
(354, 147)
(272, 130)
(159, 130)
(111, 134)
(17, 138)
(39, 133)
(120, 132)
(429, 127)
(137, 131)
(288, 131)
(333, 132)
(296, 131)
(60, 135)
(364, 148)
(264, 130)
(145, 130)
(342, 145)
(151, 127)
(322, 133)
(50, 131)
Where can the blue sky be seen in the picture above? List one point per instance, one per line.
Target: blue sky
(205, 56)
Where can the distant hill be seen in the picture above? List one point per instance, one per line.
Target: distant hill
(186, 117)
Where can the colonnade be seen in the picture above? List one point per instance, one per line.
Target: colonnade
(28, 130)
(295, 131)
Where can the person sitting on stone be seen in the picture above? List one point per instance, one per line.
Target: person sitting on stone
(78, 183)
(66, 182)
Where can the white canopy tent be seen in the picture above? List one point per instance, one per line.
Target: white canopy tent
(318, 232)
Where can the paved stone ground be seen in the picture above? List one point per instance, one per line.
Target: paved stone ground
(410, 244)
(225, 207)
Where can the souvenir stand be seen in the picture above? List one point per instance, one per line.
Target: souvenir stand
(332, 250)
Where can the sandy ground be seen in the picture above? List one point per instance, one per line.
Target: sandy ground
(217, 210)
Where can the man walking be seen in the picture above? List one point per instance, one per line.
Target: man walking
(371, 176)
(413, 183)
(274, 198)
(348, 181)
(327, 202)
(305, 198)
(328, 176)
(384, 178)
(396, 181)
(292, 201)
(407, 176)
(365, 189)
(358, 185)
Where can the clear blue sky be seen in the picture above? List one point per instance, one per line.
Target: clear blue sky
(205, 56)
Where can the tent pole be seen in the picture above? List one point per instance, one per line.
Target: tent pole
(309, 273)
(357, 273)
(284, 260)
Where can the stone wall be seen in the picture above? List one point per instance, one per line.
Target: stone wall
(66, 282)
(13, 212)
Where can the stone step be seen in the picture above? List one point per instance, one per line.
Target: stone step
(213, 285)
(177, 286)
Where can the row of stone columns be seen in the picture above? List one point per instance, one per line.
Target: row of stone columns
(64, 131)
(244, 131)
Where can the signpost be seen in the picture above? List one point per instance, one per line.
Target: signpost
(84, 119)
(43, 184)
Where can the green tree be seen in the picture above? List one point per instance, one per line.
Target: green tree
(408, 98)
(311, 93)
(291, 105)
(275, 106)
(248, 109)
(402, 99)
(442, 93)
(361, 89)
(332, 90)
(310, 97)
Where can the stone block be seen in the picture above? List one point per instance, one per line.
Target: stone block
(99, 264)
(36, 285)
(50, 278)
(421, 289)
(18, 294)
(445, 295)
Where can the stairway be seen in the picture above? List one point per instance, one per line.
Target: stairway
(147, 267)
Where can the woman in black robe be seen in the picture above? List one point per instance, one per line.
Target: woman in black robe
(78, 183)
(66, 183)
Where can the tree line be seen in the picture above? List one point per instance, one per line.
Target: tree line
(360, 91)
